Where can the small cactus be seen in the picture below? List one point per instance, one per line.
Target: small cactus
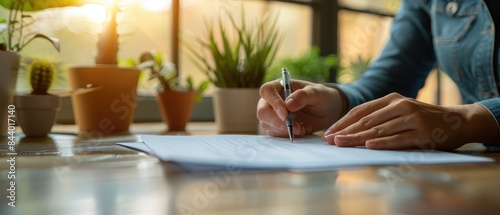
(42, 74)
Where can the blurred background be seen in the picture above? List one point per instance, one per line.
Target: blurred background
(354, 31)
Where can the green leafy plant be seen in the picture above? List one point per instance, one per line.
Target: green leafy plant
(165, 73)
(41, 73)
(355, 69)
(14, 37)
(309, 66)
(13, 33)
(240, 61)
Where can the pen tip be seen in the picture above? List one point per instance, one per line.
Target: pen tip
(290, 133)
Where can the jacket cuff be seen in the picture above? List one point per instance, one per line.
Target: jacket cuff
(493, 106)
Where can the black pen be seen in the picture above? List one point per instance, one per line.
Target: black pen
(286, 81)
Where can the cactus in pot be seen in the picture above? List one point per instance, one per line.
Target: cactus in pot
(37, 110)
(107, 44)
(42, 74)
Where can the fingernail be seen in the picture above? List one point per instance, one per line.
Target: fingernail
(330, 139)
(371, 145)
(327, 132)
(330, 134)
(342, 139)
(291, 102)
(281, 114)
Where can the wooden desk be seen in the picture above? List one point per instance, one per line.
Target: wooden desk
(70, 174)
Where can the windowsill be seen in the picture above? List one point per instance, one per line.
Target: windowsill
(146, 110)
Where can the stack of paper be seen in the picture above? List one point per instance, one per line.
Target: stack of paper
(264, 152)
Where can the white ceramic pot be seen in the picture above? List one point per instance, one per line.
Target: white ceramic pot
(9, 65)
(36, 113)
(235, 110)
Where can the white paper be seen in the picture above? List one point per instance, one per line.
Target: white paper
(264, 152)
(140, 146)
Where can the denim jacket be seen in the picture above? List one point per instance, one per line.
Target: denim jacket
(457, 35)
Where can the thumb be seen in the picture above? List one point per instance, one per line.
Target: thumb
(309, 96)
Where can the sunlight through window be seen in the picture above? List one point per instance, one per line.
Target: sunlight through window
(156, 5)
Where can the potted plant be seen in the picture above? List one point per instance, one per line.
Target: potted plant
(175, 96)
(14, 35)
(13, 38)
(309, 66)
(112, 108)
(236, 63)
(37, 110)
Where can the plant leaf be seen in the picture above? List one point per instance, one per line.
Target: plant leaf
(240, 54)
(45, 4)
(54, 41)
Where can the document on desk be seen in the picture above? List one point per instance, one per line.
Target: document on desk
(265, 152)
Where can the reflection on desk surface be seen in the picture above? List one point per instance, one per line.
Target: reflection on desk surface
(66, 173)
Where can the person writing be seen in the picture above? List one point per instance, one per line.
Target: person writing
(378, 110)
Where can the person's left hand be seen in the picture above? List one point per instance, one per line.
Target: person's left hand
(397, 122)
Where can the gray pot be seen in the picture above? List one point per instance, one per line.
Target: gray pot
(36, 113)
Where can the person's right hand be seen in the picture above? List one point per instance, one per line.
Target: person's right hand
(314, 106)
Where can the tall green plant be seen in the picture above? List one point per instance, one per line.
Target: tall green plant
(240, 61)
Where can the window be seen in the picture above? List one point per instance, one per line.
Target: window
(147, 25)
(364, 29)
(346, 27)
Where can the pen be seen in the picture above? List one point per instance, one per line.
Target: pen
(286, 81)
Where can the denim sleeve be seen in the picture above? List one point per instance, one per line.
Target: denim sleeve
(405, 61)
(493, 106)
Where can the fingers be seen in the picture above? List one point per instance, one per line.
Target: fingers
(271, 96)
(358, 113)
(272, 92)
(393, 127)
(396, 122)
(387, 123)
(267, 115)
(374, 119)
(274, 125)
(402, 140)
(282, 131)
(308, 96)
(272, 110)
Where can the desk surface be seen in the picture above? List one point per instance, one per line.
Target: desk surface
(67, 173)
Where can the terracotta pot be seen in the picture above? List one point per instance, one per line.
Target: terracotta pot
(176, 108)
(235, 110)
(36, 113)
(109, 109)
(9, 65)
